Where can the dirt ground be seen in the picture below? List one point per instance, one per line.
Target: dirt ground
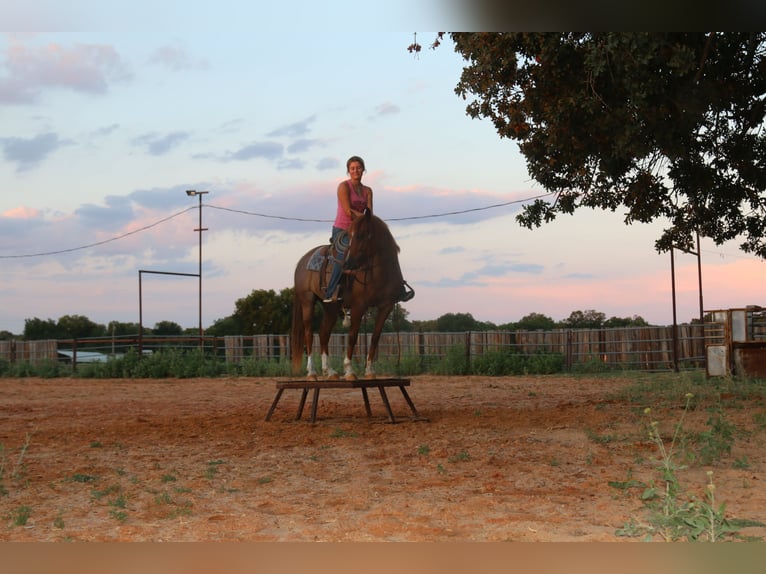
(500, 459)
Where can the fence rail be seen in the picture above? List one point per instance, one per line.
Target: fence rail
(635, 348)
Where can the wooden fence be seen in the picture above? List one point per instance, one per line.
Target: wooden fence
(635, 348)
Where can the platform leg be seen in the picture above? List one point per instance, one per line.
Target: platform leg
(366, 402)
(274, 404)
(304, 394)
(409, 401)
(384, 396)
(314, 404)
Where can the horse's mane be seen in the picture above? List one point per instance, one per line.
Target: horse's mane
(380, 235)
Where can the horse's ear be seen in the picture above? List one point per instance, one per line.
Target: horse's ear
(367, 212)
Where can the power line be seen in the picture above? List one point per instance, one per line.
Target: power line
(411, 218)
(104, 242)
(256, 214)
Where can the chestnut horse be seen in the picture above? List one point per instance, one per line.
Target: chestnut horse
(372, 278)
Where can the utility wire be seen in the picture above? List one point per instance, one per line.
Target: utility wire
(105, 241)
(256, 214)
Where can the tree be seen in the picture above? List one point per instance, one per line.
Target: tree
(455, 322)
(589, 319)
(78, 327)
(168, 328)
(120, 329)
(535, 322)
(265, 312)
(634, 321)
(664, 126)
(36, 329)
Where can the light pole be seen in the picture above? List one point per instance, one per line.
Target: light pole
(200, 229)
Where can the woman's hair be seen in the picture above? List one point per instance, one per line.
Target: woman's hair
(354, 158)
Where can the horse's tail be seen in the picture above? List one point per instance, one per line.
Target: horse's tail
(297, 334)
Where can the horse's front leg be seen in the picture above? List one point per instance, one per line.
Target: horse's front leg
(380, 320)
(353, 334)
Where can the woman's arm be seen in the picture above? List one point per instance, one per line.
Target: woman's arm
(344, 200)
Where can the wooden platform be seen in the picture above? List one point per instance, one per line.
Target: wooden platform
(381, 384)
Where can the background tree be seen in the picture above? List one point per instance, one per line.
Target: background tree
(120, 329)
(535, 322)
(265, 311)
(664, 126)
(78, 327)
(456, 322)
(36, 329)
(590, 319)
(169, 329)
(634, 321)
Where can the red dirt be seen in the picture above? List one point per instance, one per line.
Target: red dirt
(194, 460)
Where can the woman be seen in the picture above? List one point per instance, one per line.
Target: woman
(353, 198)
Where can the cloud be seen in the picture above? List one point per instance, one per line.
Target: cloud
(105, 130)
(297, 129)
(386, 109)
(28, 153)
(28, 71)
(288, 164)
(266, 150)
(177, 59)
(302, 145)
(115, 214)
(161, 144)
(328, 163)
(22, 213)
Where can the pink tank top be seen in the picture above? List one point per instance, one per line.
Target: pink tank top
(358, 203)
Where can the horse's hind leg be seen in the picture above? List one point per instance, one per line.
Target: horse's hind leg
(325, 330)
(308, 338)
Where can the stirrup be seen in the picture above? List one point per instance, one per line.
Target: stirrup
(407, 292)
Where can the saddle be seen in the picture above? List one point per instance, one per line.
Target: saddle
(324, 255)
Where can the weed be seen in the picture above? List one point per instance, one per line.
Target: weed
(340, 433)
(119, 515)
(462, 456)
(21, 515)
(718, 439)
(212, 469)
(265, 480)
(424, 450)
(440, 469)
(741, 463)
(163, 498)
(168, 478)
(673, 515)
(600, 439)
(99, 494)
(96, 444)
(77, 477)
(16, 472)
(58, 522)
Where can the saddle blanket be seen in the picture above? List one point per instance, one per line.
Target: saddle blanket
(315, 263)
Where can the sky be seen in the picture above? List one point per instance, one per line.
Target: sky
(107, 117)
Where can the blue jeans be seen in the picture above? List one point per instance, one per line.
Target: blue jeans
(337, 268)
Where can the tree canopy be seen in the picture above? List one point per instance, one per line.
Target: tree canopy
(661, 126)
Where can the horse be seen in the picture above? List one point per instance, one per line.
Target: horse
(372, 278)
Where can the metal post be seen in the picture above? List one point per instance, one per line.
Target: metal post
(675, 321)
(200, 229)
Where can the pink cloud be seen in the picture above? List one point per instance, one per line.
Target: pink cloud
(22, 213)
(83, 68)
